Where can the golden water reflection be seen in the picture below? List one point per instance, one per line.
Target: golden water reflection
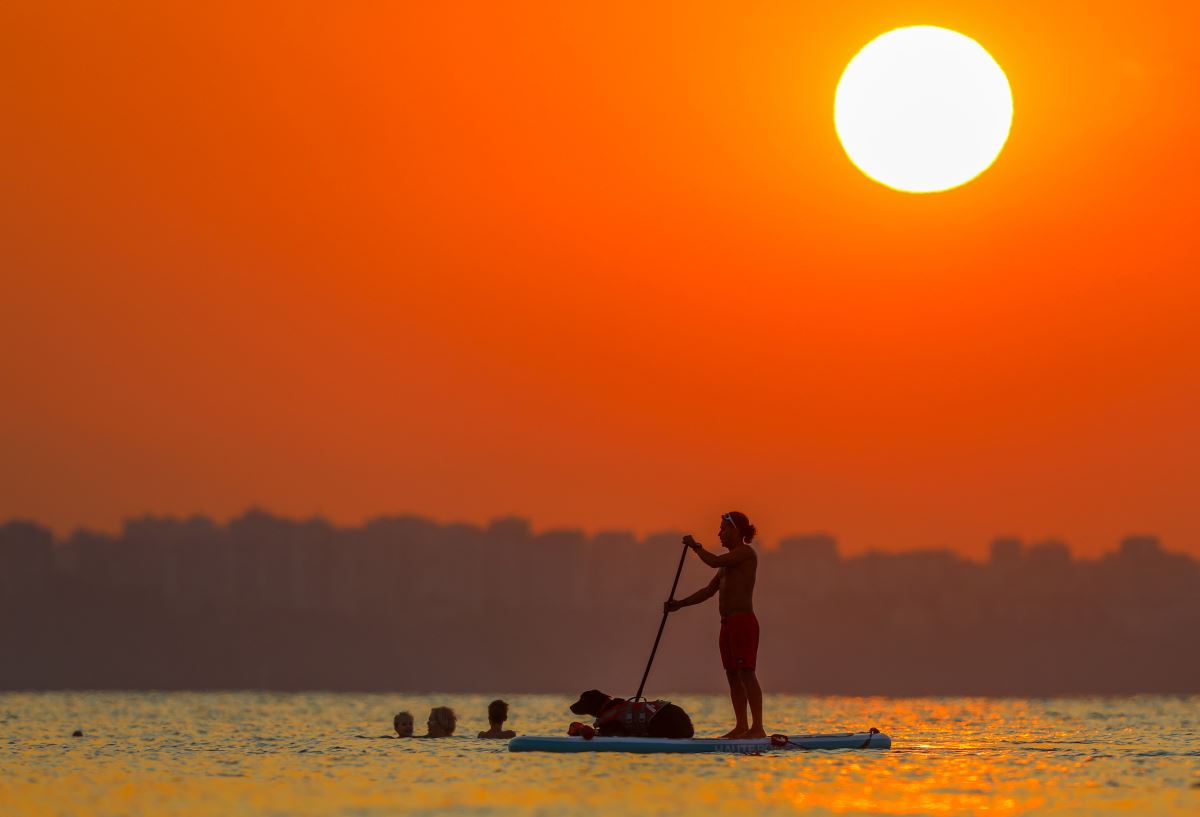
(261, 754)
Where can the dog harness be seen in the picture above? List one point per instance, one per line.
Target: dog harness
(634, 715)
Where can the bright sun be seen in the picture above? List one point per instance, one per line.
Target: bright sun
(923, 109)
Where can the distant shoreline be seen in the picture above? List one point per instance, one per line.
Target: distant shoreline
(266, 603)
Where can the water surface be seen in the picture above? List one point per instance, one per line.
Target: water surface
(306, 754)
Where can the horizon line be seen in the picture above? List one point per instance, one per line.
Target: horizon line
(1023, 545)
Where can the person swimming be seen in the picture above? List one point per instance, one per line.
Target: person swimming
(403, 724)
(497, 715)
(441, 723)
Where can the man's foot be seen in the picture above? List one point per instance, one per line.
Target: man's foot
(736, 733)
(754, 732)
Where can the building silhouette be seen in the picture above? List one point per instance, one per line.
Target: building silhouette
(405, 603)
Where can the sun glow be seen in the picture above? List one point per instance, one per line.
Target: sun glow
(923, 109)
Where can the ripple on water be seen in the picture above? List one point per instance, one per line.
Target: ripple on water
(260, 753)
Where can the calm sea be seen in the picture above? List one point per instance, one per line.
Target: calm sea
(274, 754)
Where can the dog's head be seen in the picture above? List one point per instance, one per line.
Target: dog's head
(590, 702)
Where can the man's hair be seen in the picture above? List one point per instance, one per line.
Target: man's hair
(444, 717)
(497, 711)
(396, 720)
(742, 523)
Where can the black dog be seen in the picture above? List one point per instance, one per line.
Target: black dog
(617, 717)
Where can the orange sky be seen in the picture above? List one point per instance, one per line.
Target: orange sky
(601, 266)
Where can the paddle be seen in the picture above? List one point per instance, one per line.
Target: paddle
(661, 624)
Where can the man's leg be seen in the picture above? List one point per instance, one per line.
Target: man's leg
(753, 693)
(737, 695)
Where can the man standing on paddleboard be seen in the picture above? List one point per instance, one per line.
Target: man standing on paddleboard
(736, 571)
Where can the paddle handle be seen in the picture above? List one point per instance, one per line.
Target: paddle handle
(662, 624)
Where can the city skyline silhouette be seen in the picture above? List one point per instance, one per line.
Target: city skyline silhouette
(405, 603)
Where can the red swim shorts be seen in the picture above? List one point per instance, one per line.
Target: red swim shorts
(739, 641)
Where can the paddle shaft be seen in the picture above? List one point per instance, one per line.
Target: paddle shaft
(663, 623)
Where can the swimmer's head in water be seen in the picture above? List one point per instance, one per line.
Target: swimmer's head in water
(735, 529)
(403, 724)
(442, 721)
(497, 712)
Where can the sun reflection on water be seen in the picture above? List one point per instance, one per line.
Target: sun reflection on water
(259, 754)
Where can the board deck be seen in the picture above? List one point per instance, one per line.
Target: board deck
(846, 740)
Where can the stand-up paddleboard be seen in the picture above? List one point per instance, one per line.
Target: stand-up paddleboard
(848, 740)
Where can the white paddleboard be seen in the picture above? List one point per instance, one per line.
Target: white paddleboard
(847, 740)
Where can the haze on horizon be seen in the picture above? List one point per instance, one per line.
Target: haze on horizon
(601, 266)
(265, 602)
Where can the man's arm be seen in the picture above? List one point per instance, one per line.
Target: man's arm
(733, 557)
(703, 594)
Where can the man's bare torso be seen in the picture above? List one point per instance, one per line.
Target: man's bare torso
(737, 585)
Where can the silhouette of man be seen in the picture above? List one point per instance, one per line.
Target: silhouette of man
(497, 715)
(738, 642)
